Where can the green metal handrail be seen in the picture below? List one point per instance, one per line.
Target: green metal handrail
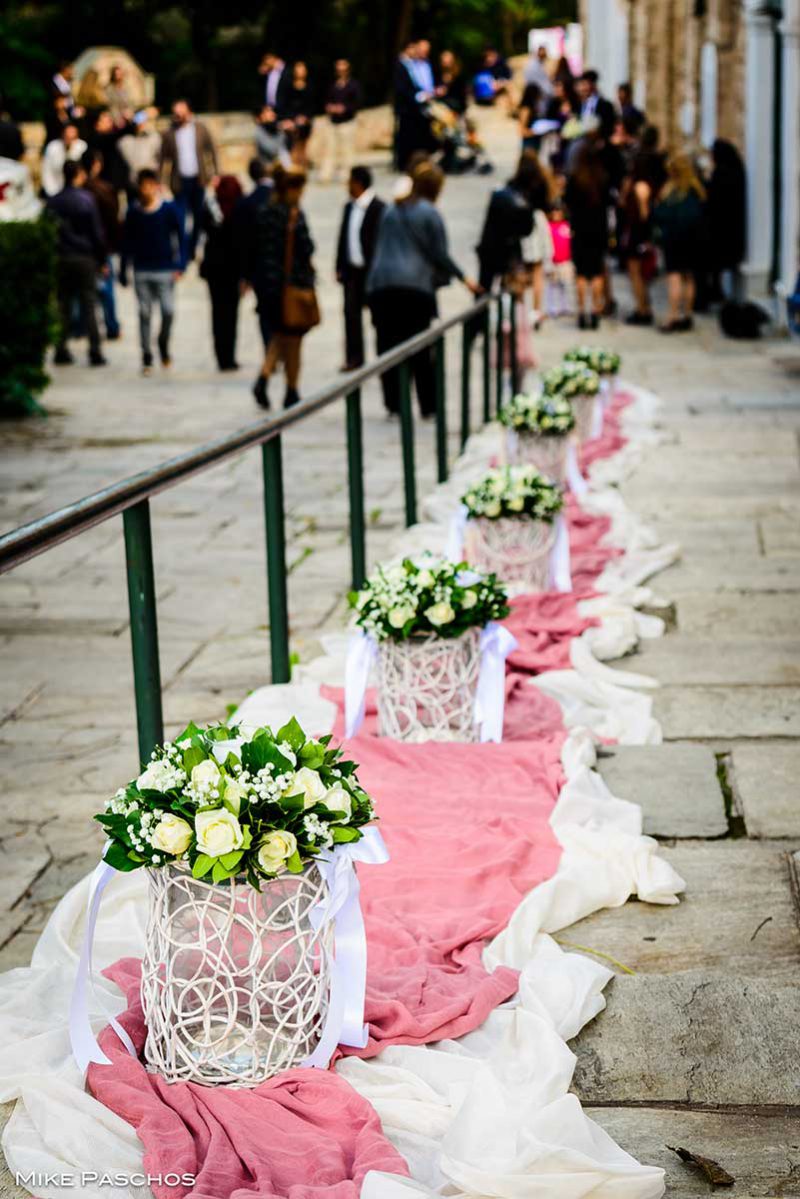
(131, 496)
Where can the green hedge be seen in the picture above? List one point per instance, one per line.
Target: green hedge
(29, 321)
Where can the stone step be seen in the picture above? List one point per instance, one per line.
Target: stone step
(675, 784)
(765, 783)
(727, 712)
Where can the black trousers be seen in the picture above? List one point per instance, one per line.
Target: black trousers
(77, 280)
(354, 286)
(398, 314)
(224, 291)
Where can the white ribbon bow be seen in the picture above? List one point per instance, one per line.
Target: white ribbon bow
(577, 484)
(344, 1023)
(490, 696)
(454, 550)
(597, 416)
(361, 653)
(559, 567)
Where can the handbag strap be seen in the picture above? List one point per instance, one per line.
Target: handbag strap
(288, 252)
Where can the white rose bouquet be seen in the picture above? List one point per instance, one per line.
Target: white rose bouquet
(514, 491)
(571, 379)
(597, 358)
(427, 596)
(227, 806)
(542, 415)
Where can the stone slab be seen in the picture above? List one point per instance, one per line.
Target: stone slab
(719, 571)
(728, 616)
(693, 1038)
(730, 713)
(780, 535)
(675, 785)
(766, 780)
(761, 1151)
(687, 660)
(736, 915)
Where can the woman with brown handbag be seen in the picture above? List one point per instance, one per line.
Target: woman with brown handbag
(284, 282)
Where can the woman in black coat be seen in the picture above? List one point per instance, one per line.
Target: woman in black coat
(726, 218)
(220, 267)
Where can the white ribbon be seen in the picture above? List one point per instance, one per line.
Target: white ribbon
(560, 569)
(577, 484)
(512, 445)
(361, 652)
(344, 1023)
(597, 417)
(85, 1047)
(490, 696)
(454, 550)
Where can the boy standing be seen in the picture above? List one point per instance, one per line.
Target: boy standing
(153, 241)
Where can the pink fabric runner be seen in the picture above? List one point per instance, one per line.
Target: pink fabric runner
(460, 865)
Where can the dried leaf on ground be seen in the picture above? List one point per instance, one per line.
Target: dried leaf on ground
(714, 1172)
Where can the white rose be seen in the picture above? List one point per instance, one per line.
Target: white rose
(275, 849)
(493, 509)
(218, 832)
(517, 504)
(205, 772)
(307, 783)
(157, 777)
(440, 613)
(234, 794)
(400, 615)
(340, 800)
(172, 835)
(469, 599)
(425, 578)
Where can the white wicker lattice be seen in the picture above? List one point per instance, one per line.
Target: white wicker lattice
(583, 406)
(234, 981)
(516, 549)
(547, 454)
(426, 687)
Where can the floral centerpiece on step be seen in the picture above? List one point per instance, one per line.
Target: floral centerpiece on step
(597, 358)
(512, 512)
(571, 379)
(425, 624)
(222, 805)
(538, 426)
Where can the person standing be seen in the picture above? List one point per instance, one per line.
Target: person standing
(275, 82)
(594, 105)
(108, 207)
(221, 267)
(586, 197)
(270, 144)
(412, 126)
(679, 217)
(57, 153)
(632, 117)
(726, 219)
(356, 245)
(283, 259)
(81, 254)
(410, 262)
(342, 105)
(11, 143)
(298, 116)
(118, 97)
(636, 236)
(152, 241)
(188, 164)
(140, 150)
(245, 216)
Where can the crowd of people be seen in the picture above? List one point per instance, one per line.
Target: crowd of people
(592, 184)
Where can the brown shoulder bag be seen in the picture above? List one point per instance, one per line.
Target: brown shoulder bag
(299, 307)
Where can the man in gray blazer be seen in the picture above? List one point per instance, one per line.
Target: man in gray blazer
(188, 163)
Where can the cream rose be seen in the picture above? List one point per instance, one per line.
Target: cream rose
(307, 783)
(234, 794)
(492, 509)
(517, 504)
(398, 616)
(340, 800)
(172, 835)
(217, 832)
(469, 599)
(205, 773)
(425, 578)
(441, 613)
(275, 849)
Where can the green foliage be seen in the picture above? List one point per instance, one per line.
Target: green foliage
(27, 302)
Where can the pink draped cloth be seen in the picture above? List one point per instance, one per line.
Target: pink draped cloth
(468, 830)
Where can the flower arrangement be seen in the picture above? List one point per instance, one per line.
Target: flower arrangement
(542, 415)
(223, 805)
(571, 379)
(427, 596)
(597, 358)
(514, 491)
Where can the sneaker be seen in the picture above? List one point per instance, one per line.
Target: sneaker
(63, 358)
(97, 359)
(291, 398)
(260, 392)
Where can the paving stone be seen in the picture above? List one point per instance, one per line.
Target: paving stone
(688, 660)
(766, 780)
(737, 915)
(22, 859)
(693, 1038)
(780, 535)
(727, 712)
(675, 785)
(719, 571)
(761, 1151)
(773, 617)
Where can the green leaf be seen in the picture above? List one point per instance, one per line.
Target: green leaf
(202, 865)
(292, 803)
(190, 731)
(117, 856)
(343, 833)
(247, 837)
(312, 755)
(192, 757)
(219, 873)
(231, 860)
(261, 750)
(292, 733)
(294, 864)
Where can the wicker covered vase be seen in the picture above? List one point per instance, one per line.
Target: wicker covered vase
(547, 453)
(515, 548)
(583, 407)
(235, 982)
(427, 686)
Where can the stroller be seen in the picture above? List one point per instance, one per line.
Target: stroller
(459, 146)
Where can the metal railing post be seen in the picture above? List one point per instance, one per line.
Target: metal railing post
(512, 346)
(498, 366)
(407, 437)
(466, 380)
(487, 366)
(144, 627)
(355, 482)
(271, 458)
(441, 413)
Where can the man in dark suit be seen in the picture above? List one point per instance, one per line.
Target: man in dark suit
(276, 82)
(357, 237)
(245, 216)
(412, 126)
(595, 105)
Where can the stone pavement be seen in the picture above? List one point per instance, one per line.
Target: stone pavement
(705, 1054)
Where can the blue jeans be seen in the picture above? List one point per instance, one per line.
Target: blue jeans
(155, 287)
(105, 291)
(189, 202)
